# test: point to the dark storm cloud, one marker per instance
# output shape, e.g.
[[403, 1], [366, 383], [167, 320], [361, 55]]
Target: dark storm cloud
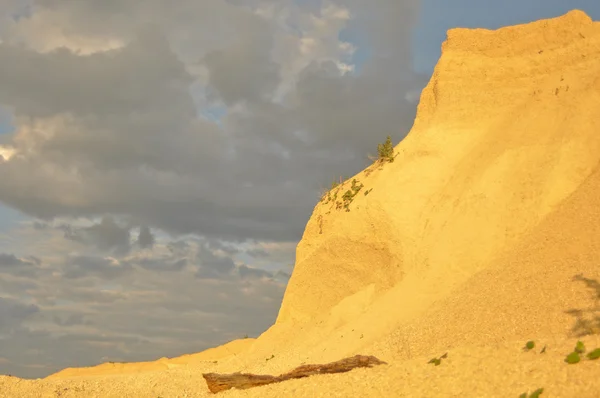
[[70, 320], [248, 272], [85, 266], [218, 245], [145, 238], [214, 267], [257, 253], [9, 260], [179, 247], [134, 140], [24, 267], [160, 264], [13, 312], [119, 83], [230, 69], [107, 235]]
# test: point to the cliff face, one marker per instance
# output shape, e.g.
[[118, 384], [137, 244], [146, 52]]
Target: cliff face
[[507, 128]]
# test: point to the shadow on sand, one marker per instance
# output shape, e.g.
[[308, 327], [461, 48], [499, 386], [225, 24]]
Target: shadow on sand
[[587, 320]]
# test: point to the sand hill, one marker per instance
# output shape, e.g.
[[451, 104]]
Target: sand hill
[[481, 235]]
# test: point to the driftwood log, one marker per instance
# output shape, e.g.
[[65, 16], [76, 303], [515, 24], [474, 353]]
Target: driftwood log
[[221, 382]]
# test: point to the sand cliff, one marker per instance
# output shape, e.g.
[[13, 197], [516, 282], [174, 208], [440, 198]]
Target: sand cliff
[[481, 235]]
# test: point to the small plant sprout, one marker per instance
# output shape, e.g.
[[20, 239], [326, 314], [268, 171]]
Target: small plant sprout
[[386, 150], [534, 394], [349, 195], [573, 358], [529, 345], [580, 347], [437, 361], [595, 354]]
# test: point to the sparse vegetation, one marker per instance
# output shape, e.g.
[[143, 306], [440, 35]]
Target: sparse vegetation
[[385, 153], [530, 345], [572, 358], [347, 197], [575, 356], [328, 195]]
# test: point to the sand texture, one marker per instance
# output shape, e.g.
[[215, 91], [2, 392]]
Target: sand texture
[[484, 233]]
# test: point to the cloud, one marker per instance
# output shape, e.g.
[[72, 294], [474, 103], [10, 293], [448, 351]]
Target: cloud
[[144, 75], [212, 266], [229, 69], [74, 305], [117, 132], [106, 236], [169, 156], [145, 238], [158, 264], [70, 320], [84, 266], [9, 260], [257, 252], [23, 267], [249, 272], [12, 313]]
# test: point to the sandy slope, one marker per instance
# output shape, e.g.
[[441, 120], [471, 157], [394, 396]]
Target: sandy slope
[[215, 354], [469, 243]]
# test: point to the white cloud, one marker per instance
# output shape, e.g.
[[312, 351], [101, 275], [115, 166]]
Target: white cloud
[[45, 31], [6, 152]]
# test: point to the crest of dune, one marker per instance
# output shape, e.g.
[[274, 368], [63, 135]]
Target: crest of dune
[[483, 232]]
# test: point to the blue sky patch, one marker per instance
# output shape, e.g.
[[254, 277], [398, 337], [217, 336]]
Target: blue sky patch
[[6, 121], [358, 40]]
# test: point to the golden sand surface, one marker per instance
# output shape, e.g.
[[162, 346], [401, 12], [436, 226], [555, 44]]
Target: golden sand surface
[[483, 234]]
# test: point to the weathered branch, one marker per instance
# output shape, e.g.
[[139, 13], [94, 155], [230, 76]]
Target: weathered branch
[[221, 382]]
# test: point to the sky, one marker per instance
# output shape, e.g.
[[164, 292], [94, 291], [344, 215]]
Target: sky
[[159, 160]]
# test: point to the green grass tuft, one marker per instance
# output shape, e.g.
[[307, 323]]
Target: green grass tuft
[[595, 354], [534, 394], [529, 345], [386, 150], [573, 358]]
